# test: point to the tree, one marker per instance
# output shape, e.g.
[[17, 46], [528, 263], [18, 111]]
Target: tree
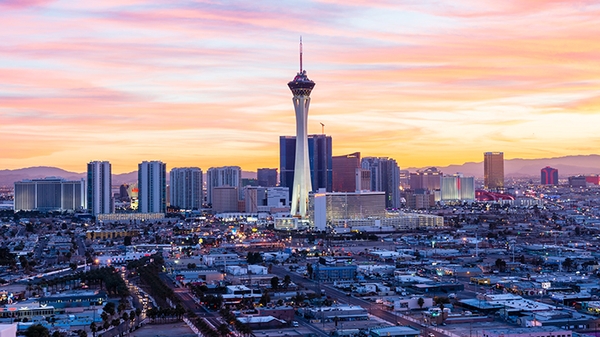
[[568, 264], [93, 329], [264, 299], [109, 308], [254, 258], [500, 264], [275, 282], [223, 330], [37, 330], [127, 241], [421, 302], [286, 281], [309, 270]]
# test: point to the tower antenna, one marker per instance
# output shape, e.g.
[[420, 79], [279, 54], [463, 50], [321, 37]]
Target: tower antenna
[[300, 53], [322, 128]]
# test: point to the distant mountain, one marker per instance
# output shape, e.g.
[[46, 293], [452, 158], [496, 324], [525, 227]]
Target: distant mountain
[[8, 177], [567, 166], [125, 178]]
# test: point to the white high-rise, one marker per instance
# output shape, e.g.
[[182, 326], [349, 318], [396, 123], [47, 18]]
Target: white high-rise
[[99, 188], [152, 187], [223, 176], [185, 188], [301, 87], [49, 194]]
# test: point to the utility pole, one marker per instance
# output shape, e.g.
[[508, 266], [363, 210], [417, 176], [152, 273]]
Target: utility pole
[[476, 244]]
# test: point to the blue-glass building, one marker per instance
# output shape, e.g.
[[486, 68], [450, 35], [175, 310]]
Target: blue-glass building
[[320, 157]]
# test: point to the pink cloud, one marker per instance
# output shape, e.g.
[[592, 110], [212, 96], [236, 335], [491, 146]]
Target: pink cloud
[[21, 4]]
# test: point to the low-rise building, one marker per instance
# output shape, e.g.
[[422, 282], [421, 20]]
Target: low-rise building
[[395, 331]]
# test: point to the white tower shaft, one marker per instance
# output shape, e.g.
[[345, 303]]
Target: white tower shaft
[[302, 180]]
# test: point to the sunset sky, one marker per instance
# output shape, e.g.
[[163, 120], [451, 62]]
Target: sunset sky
[[204, 83]]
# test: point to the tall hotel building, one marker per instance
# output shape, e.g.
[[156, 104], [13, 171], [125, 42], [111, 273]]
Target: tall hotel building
[[99, 188], [493, 170], [385, 177], [152, 187], [266, 177], [223, 176], [344, 172], [320, 162], [49, 194], [457, 187], [549, 176], [428, 179], [186, 188]]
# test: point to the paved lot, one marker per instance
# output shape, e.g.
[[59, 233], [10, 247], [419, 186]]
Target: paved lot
[[164, 330]]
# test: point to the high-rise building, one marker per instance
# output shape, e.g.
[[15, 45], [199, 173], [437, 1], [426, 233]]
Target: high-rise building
[[420, 199], [265, 199], [123, 192], [152, 187], [225, 199], [344, 172], [467, 188], [457, 187], [385, 177], [427, 179], [549, 176], [223, 176], [349, 205], [493, 170], [320, 161], [301, 87], [362, 179], [49, 194], [577, 181], [185, 188], [404, 179], [99, 188], [267, 177]]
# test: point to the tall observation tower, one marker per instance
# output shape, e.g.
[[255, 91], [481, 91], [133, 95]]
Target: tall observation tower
[[301, 87]]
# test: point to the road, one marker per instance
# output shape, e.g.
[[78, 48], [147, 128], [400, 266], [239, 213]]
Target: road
[[189, 302], [374, 309], [81, 246]]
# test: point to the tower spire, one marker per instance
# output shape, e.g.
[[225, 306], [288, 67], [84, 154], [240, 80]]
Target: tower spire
[[300, 53]]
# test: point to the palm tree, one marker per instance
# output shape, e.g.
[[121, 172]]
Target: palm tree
[[223, 330], [93, 329], [125, 318]]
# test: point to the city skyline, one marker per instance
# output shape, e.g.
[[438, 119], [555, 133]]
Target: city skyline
[[427, 85]]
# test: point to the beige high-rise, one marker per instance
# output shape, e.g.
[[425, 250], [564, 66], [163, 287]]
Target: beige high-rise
[[493, 170]]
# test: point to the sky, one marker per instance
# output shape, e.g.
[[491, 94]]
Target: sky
[[204, 83]]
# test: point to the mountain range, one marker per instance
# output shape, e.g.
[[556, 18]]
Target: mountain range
[[8, 177], [530, 168], [513, 168]]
